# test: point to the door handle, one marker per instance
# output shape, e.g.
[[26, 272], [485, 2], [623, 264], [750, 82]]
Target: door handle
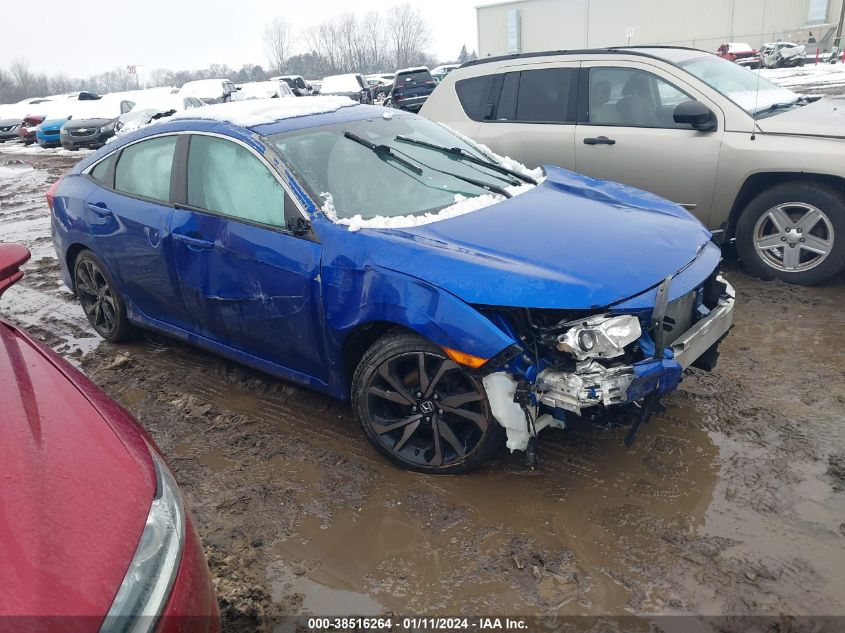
[[599, 140], [194, 242], [100, 209]]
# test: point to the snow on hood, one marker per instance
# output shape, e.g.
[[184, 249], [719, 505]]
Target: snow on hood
[[340, 83], [261, 111], [462, 205]]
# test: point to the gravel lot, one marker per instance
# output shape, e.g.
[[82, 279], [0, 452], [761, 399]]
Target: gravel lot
[[730, 503]]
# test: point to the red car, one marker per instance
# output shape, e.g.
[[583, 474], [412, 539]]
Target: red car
[[94, 535], [27, 129], [740, 53]]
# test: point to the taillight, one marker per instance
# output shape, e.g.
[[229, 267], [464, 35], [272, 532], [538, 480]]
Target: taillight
[[51, 192], [430, 83]]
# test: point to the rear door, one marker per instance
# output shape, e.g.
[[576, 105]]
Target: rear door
[[252, 285], [530, 114], [626, 133], [129, 218]]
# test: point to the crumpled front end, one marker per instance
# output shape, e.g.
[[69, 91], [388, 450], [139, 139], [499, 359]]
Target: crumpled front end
[[611, 366]]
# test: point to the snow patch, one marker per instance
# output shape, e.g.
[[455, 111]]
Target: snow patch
[[260, 111], [328, 206], [462, 205]]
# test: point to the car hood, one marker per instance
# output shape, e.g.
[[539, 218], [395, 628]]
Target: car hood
[[570, 243], [76, 489], [825, 117], [78, 123]]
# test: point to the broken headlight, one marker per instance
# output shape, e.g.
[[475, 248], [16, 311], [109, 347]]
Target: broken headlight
[[600, 336]]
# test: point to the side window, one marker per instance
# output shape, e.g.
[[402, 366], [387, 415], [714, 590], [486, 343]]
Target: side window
[[473, 93], [144, 168], [544, 96], [226, 178], [102, 173], [633, 98]]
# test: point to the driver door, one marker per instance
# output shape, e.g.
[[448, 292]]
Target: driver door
[[626, 133]]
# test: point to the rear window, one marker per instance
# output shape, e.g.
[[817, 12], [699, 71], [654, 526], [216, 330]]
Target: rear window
[[416, 77], [474, 95], [102, 173], [144, 168], [543, 96]]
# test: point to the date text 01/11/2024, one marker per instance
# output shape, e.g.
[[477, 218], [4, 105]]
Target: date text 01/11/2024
[[416, 624]]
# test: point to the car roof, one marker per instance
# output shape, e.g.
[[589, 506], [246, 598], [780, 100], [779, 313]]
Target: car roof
[[214, 119], [671, 54]]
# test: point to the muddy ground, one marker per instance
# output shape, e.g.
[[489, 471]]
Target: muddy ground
[[732, 502]]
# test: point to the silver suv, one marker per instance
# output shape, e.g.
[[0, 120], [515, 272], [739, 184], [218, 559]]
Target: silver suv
[[751, 160]]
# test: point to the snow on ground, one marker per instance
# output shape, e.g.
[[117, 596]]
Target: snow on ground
[[821, 79], [19, 149]]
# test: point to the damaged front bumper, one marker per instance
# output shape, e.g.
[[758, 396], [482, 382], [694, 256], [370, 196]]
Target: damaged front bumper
[[592, 383]]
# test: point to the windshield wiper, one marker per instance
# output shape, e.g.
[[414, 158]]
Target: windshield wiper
[[776, 106], [457, 151], [383, 150]]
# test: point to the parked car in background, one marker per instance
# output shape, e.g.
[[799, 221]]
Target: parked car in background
[[352, 85], [263, 90], [12, 117], [426, 307], [151, 107], [411, 88], [740, 53], [315, 84], [91, 133], [379, 87], [91, 493], [47, 132], [297, 84], [439, 72], [28, 126], [782, 55], [209, 90], [753, 161]]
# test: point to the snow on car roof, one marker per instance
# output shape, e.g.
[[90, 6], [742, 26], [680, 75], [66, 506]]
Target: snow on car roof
[[416, 69], [262, 111]]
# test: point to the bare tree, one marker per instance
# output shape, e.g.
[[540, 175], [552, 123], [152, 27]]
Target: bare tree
[[408, 34], [277, 43]]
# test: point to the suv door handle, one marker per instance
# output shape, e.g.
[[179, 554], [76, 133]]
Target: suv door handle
[[599, 140], [100, 209], [194, 242]]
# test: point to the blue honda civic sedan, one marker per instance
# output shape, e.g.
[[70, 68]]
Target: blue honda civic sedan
[[459, 300]]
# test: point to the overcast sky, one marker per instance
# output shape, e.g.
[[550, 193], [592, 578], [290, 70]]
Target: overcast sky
[[90, 36]]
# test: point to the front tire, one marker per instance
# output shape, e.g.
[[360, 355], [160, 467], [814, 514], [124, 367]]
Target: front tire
[[794, 232], [100, 299], [420, 409]]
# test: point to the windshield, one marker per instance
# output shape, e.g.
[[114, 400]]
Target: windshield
[[360, 181], [744, 87]]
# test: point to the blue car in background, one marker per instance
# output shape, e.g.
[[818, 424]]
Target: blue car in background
[[47, 132], [472, 300]]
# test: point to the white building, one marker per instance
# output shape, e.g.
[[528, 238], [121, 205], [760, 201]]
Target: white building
[[536, 25]]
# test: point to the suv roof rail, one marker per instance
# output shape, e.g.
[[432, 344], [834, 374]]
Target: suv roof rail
[[631, 50]]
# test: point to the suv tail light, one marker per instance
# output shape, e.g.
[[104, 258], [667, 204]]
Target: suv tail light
[[51, 192]]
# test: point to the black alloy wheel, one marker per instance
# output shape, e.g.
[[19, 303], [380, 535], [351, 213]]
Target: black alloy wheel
[[421, 409], [99, 299]]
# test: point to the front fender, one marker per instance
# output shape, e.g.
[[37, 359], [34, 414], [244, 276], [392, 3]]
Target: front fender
[[358, 296]]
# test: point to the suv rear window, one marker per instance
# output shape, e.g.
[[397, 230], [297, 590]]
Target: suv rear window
[[474, 93], [416, 77], [530, 96]]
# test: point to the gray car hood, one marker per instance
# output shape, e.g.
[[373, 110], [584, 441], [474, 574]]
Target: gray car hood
[[825, 117]]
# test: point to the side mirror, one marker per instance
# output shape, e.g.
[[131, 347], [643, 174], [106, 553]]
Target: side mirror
[[696, 115]]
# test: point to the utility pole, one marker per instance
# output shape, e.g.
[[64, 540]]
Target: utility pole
[[837, 41]]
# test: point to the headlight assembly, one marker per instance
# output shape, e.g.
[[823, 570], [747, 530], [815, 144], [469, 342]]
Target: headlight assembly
[[108, 127], [149, 579], [600, 336]]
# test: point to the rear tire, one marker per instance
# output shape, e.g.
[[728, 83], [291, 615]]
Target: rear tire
[[100, 298], [794, 232], [420, 409]]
